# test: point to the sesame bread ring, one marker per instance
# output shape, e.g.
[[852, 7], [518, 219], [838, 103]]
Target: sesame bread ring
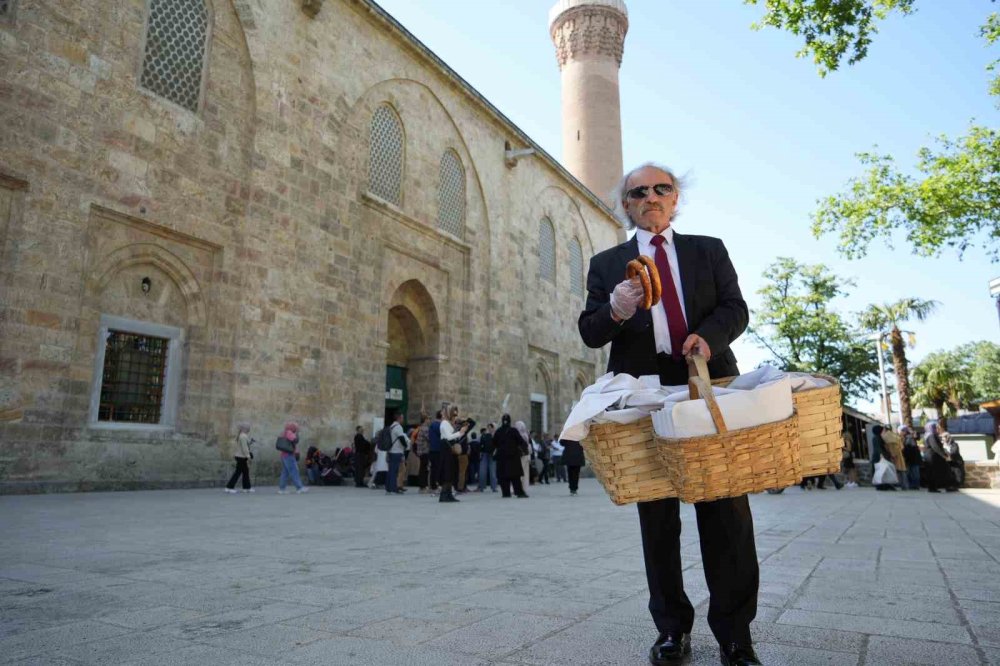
[[635, 269], [654, 278]]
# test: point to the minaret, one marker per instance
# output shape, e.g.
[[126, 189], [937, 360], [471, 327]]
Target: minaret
[[589, 36]]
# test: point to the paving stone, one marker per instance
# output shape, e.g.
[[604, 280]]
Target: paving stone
[[119, 649], [883, 650], [368, 652], [71, 635], [877, 626], [500, 634], [270, 640]]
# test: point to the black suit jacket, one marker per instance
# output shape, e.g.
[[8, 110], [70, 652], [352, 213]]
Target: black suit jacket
[[712, 300]]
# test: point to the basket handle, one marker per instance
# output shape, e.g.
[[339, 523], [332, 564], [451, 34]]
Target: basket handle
[[700, 386]]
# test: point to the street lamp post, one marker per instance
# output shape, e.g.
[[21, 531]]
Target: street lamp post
[[877, 337]]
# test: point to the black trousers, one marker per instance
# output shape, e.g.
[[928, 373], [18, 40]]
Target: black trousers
[[435, 461], [728, 555], [422, 472], [574, 477], [242, 469], [361, 464], [448, 468], [543, 476], [505, 485]]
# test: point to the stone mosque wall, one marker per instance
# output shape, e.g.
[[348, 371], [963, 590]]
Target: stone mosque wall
[[244, 211]]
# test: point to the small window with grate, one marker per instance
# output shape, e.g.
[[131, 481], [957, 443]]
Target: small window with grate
[[547, 251], [385, 158], [7, 9], [451, 195], [134, 377], [174, 60], [575, 267]]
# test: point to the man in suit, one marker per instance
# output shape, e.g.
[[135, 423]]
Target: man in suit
[[701, 310]]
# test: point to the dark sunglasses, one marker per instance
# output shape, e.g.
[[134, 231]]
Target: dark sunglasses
[[641, 192]]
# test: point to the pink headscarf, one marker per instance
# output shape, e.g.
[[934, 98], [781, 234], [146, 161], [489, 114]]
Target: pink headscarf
[[291, 431]]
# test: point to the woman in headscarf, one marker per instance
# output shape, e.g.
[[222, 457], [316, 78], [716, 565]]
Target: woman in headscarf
[[242, 456], [508, 447], [938, 470], [880, 451], [522, 429], [288, 445]]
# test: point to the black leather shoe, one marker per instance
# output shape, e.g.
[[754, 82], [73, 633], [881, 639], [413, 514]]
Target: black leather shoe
[[670, 649], [447, 497], [738, 655]]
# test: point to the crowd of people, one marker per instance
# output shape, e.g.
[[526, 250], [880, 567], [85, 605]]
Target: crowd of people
[[445, 456], [901, 460]]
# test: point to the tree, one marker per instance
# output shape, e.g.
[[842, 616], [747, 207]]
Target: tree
[[796, 324], [886, 318], [942, 380], [833, 29], [982, 363], [952, 202]]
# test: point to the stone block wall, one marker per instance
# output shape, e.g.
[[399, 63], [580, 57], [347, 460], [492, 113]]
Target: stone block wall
[[252, 220]]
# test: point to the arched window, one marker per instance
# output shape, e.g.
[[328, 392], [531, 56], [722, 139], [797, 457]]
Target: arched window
[[385, 157], [547, 251], [451, 195], [173, 64], [575, 267]]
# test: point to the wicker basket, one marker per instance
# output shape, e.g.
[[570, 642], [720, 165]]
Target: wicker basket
[[625, 461], [732, 462], [820, 426]]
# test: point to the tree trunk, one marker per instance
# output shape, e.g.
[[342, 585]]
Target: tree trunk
[[902, 375]]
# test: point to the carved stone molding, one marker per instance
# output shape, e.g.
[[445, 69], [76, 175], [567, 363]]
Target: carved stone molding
[[589, 30], [312, 7]]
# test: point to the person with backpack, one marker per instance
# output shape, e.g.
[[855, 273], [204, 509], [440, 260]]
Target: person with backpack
[[394, 442], [288, 445]]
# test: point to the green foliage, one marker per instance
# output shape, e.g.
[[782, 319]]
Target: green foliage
[[955, 202], [941, 381], [832, 29], [990, 31], [796, 324], [983, 362], [881, 318], [961, 378], [951, 202]]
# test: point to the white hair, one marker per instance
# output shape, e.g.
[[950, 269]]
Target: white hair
[[618, 194]]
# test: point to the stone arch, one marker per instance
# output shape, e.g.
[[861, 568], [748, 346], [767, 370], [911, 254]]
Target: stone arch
[[542, 391], [169, 264], [412, 330], [400, 95]]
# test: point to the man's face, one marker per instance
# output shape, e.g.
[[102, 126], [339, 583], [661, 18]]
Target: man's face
[[652, 212]]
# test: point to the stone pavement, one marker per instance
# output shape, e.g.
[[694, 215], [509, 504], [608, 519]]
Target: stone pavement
[[351, 576]]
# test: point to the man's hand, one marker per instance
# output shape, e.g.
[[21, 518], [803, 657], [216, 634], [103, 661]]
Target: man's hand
[[626, 298], [695, 344]]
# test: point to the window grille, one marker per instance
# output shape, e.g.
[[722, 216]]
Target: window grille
[[176, 37], [385, 164], [547, 251], [451, 195], [133, 378], [575, 267], [6, 7]]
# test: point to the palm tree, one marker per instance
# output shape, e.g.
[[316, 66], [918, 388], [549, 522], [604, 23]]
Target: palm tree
[[888, 316], [942, 381]]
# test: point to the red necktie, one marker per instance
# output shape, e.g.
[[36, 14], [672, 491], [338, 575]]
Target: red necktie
[[671, 304]]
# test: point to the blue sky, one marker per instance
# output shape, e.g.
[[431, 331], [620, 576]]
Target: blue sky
[[761, 135]]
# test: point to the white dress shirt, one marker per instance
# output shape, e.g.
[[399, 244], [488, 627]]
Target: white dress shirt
[[661, 333]]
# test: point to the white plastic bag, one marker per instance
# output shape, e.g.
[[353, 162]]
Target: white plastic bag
[[885, 473]]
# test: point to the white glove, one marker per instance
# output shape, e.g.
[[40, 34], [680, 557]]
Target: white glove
[[626, 298]]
